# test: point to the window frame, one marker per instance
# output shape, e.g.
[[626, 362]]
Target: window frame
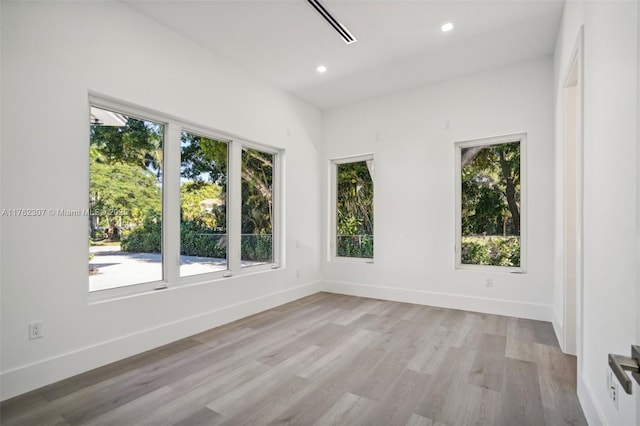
[[333, 206], [171, 200], [210, 134], [520, 138], [276, 183], [142, 114]]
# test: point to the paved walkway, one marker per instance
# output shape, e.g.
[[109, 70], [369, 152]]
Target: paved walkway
[[118, 269]]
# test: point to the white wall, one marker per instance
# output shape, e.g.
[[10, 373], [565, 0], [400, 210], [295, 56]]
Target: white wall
[[52, 55], [412, 136], [610, 181]]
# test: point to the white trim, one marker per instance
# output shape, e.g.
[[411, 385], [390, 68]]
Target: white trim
[[276, 207], [333, 221], [504, 307], [234, 208], [592, 411], [204, 132], [494, 140], [141, 113], [353, 158], [35, 375], [576, 346], [557, 328], [171, 209]]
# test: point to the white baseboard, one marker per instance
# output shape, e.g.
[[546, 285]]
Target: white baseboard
[[591, 410], [558, 329], [32, 376], [444, 300]]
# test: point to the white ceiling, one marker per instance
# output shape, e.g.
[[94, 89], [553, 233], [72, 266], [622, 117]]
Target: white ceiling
[[400, 44]]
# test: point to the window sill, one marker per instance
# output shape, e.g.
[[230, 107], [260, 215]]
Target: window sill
[[352, 260], [126, 292], [491, 268]]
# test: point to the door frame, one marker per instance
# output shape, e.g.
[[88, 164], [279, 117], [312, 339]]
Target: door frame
[[573, 78]]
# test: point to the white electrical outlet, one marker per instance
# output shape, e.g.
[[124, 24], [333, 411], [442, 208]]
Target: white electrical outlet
[[298, 273], [612, 386], [489, 282], [35, 330]]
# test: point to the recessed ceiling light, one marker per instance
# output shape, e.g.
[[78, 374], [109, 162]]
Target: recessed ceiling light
[[446, 27], [321, 69]]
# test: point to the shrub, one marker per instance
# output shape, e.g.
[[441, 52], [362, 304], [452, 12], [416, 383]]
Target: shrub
[[257, 247], [355, 246], [196, 239], [495, 251]]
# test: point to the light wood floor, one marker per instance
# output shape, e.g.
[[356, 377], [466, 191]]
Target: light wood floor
[[329, 359]]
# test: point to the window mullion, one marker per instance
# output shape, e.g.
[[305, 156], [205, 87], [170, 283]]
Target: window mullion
[[234, 206], [171, 205]]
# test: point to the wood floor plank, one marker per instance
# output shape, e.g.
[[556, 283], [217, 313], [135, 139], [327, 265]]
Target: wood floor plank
[[387, 370], [328, 359], [187, 400], [396, 406], [521, 401], [417, 420], [71, 385], [271, 404], [488, 364], [202, 417], [348, 316], [432, 351], [350, 409], [443, 398]]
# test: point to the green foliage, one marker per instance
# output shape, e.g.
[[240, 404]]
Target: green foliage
[[192, 193], [204, 167], [257, 192], [257, 247], [197, 239], [126, 182], [495, 251], [354, 204], [491, 205], [125, 165], [145, 238], [98, 235], [138, 143], [355, 246], [204, 159]]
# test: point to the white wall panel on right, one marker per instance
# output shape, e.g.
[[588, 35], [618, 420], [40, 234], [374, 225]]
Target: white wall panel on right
[[610, 170]]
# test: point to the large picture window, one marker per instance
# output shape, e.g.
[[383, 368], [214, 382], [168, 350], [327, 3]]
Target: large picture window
[[353, 208], [203, 204], [125, 200], [171, 202], [490, 189]]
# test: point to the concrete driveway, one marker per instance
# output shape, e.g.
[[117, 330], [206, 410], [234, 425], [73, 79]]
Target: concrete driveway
[[116, 268]]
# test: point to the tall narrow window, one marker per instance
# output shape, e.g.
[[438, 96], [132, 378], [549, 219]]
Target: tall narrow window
[[257, 243], [490, 203], [203, 205], [353, 209], [125, 200]]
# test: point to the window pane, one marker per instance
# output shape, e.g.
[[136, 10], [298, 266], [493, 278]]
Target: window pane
[[125, 200], [354, 209], [257, 208], [490, 209], [203, 205]]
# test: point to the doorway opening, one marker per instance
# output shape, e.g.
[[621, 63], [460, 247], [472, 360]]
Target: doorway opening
[[572, 208]]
